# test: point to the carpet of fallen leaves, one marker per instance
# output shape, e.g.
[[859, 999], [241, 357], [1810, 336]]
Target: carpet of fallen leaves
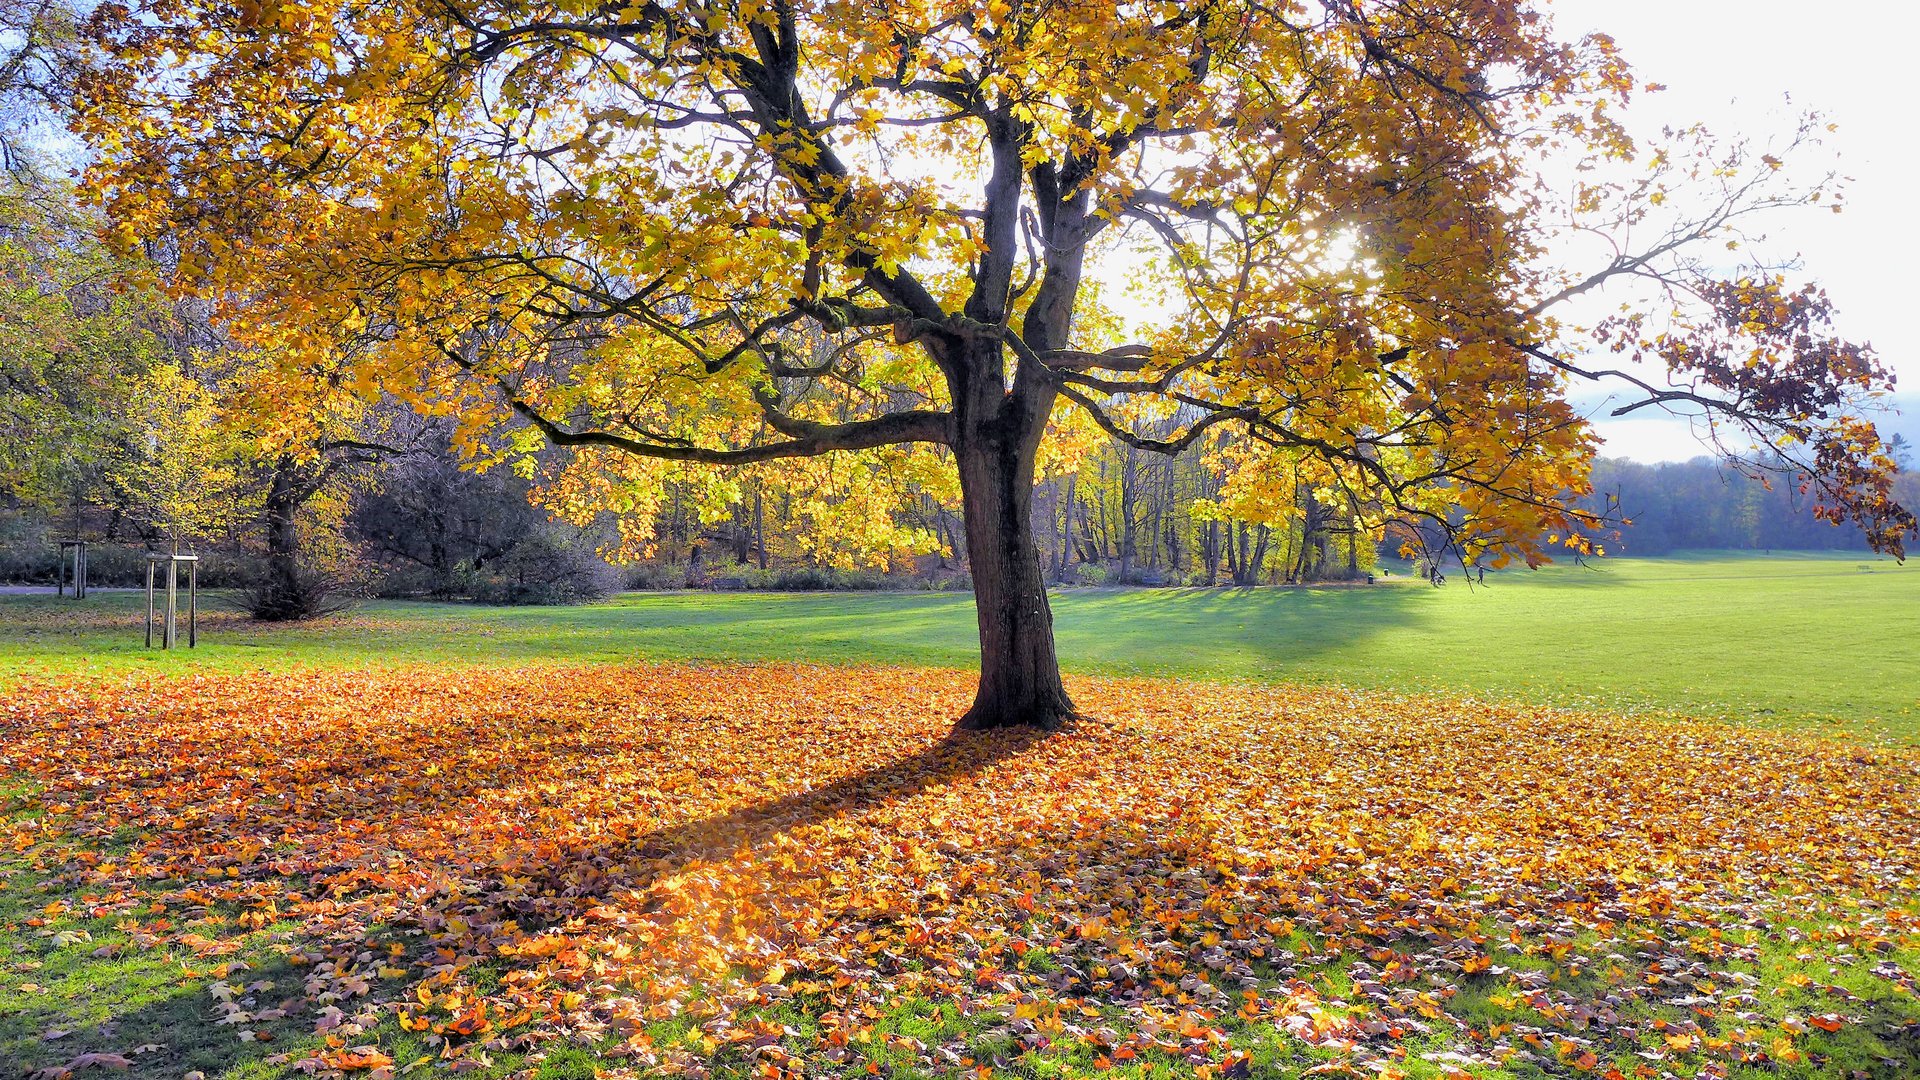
[[704, 870]]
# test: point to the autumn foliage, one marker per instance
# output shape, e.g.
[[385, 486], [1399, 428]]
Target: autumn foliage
[[756, 870]]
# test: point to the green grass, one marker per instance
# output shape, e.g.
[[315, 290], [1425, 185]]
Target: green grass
[[1825, 641]]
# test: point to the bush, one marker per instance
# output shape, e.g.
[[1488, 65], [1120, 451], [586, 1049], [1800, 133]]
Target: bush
[[27, 551], [800, 579], [1090, 574], [30, 555], [411, 583], [746, 578], [537, 571], [650, 577], [513, 582], [542, 570], [310, 594], [961, 581]]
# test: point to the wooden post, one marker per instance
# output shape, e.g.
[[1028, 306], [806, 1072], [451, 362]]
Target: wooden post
[[72, 569], [173, 605], [149, 603], [193, 604]]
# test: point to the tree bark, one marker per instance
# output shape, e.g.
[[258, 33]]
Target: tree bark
[[1020, 681], [1129, 497], [1066, 528], [284, 497], [760, 525]]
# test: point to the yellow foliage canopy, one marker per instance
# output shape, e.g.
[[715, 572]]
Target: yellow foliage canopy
[[726, 234]]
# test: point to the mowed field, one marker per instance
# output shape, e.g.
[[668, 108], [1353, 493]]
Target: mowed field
[[1395, 833], [1819, 641]]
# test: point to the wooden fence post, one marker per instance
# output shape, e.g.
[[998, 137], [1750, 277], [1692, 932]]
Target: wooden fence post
[[173, 603]]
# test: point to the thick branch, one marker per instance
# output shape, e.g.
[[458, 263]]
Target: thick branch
[[915, 426]]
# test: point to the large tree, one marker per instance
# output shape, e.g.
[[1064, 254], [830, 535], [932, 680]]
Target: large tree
[[1321, 224]]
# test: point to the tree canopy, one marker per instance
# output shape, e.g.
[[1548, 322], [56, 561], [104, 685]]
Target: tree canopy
[[939, 237]]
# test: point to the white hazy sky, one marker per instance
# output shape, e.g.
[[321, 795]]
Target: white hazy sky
[[1734, 64]]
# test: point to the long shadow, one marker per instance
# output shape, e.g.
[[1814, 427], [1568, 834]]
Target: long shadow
[[366, 785], [559, 888], [1158, 873], [1250, 629], [172, 1032], [369, 785], [665, 851]]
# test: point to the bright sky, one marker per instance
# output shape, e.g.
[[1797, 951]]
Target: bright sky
[[1734, 64]]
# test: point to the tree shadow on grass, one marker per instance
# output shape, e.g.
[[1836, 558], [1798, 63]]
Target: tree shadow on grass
[[137, 1005], [663, 852], [145, 998]]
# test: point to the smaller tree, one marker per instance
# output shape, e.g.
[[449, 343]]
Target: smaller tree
[[77, 346], [439, 528], [40, 49], [179, 473]]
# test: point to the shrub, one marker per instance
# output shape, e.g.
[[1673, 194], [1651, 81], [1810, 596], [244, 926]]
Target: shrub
[[1090, 574], [542, 570], [411, 583], [309, 594], [747, 578], [32, 558], [648, 577]]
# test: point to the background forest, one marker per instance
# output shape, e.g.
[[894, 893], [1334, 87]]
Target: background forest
[[113, 431]]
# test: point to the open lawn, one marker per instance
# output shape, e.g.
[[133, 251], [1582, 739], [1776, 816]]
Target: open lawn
[[433, 842], [1824, 641]]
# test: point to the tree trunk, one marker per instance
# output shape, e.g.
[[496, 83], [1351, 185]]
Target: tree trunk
[[284, 496], [1066, 528], [953, 539], [1019, 672], [999, 419], [760, 525]]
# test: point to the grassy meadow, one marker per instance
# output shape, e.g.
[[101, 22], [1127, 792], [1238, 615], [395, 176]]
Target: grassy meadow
[[1823, 641], [1349, 832]]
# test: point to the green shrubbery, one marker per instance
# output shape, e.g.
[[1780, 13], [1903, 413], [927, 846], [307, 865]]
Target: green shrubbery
[[827, 579], [30, 555]]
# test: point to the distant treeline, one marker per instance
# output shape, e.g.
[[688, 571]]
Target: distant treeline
[[1703, 503]]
